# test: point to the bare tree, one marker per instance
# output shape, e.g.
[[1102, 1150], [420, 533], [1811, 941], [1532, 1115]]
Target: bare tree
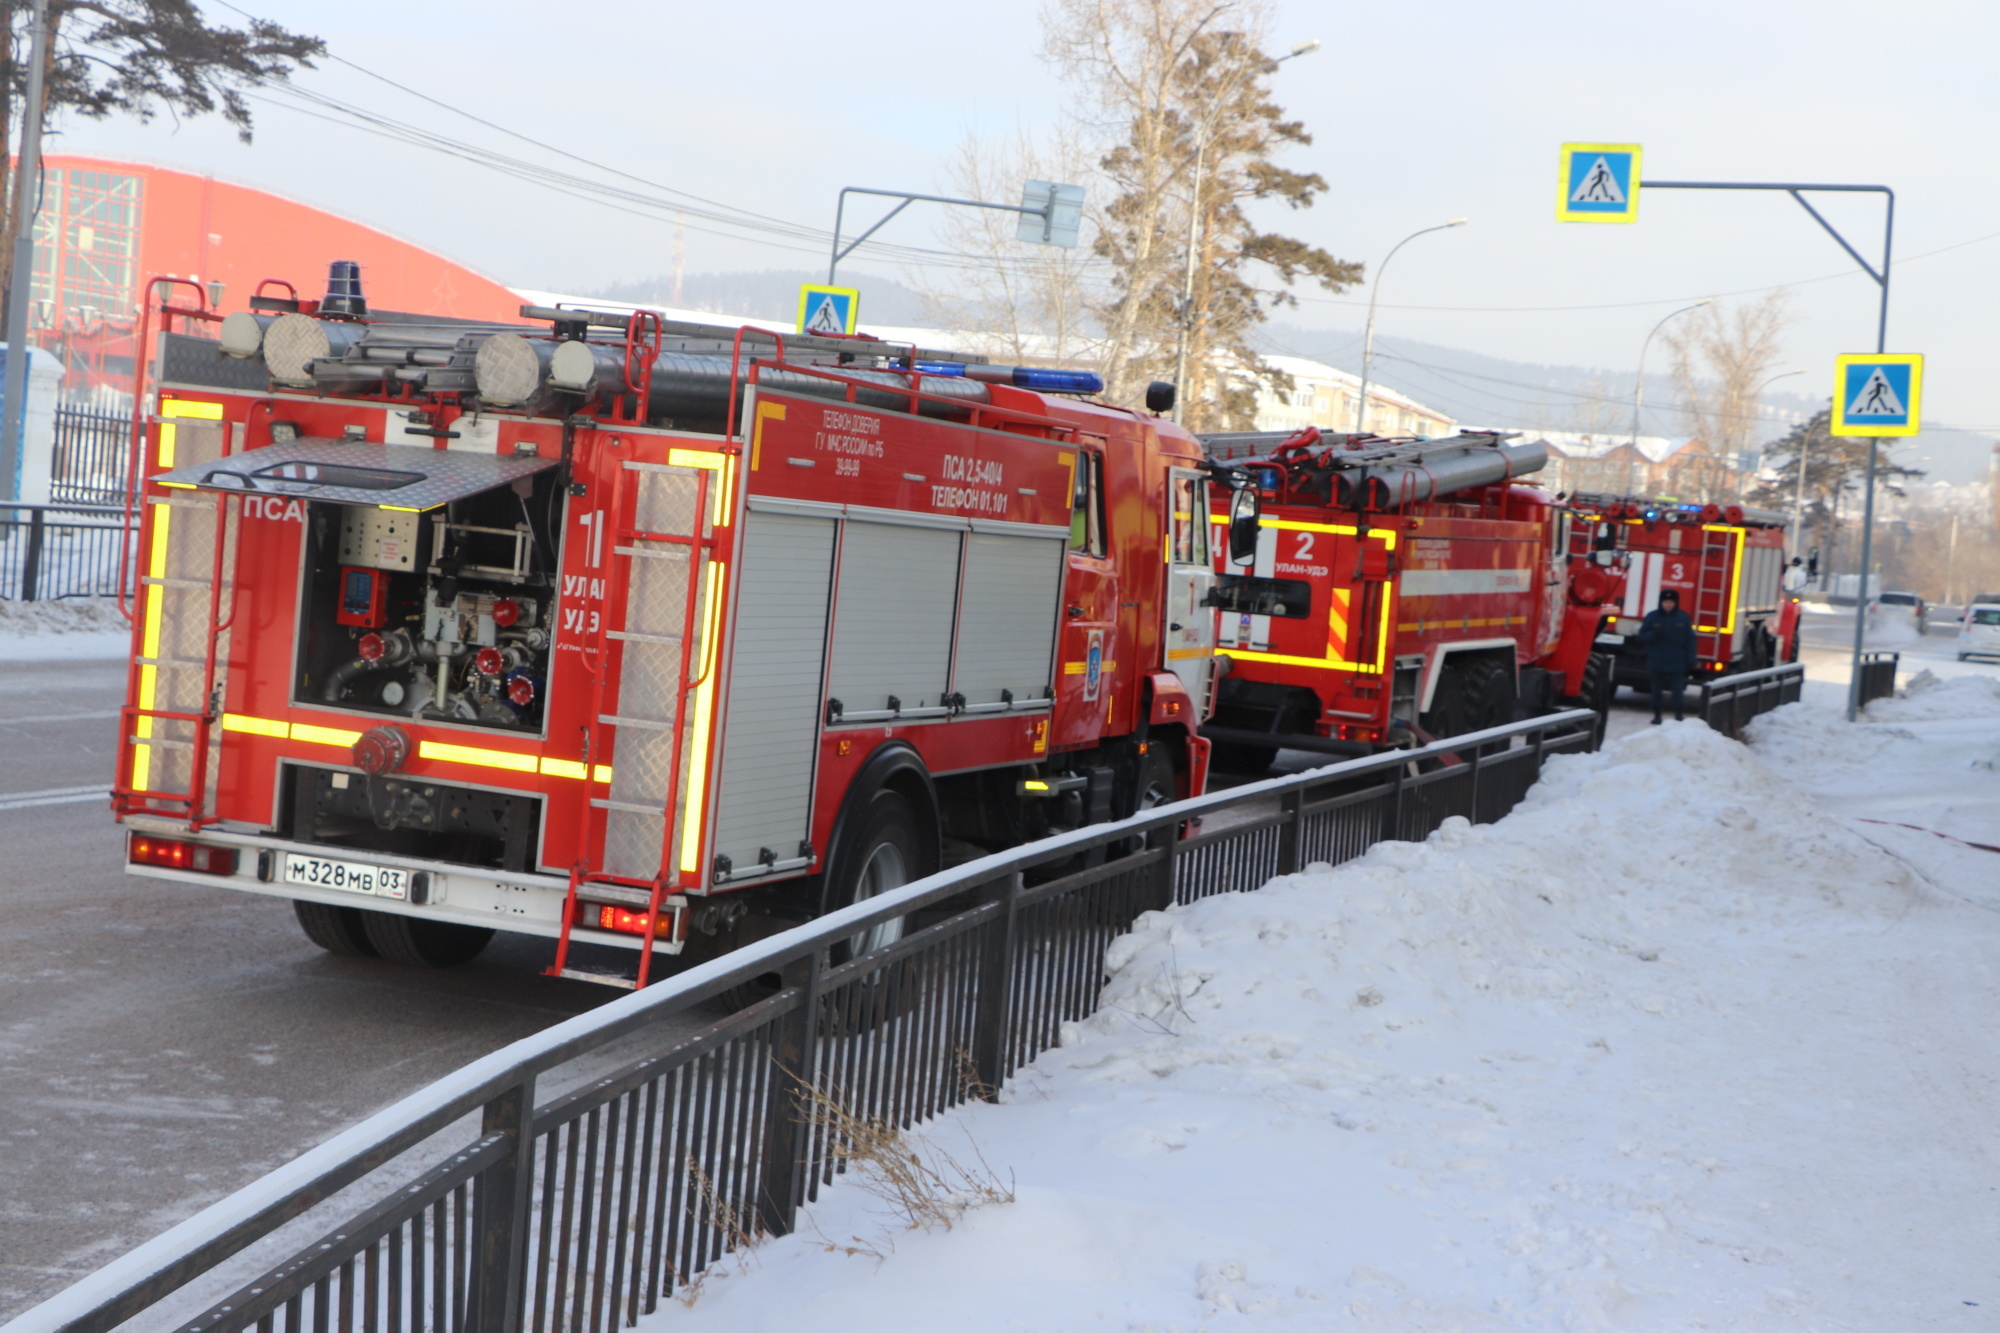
[[1721, 361], [1028, 303]]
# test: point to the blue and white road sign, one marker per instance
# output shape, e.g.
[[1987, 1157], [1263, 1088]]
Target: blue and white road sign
[[828, 309], [1877, 394], [1600, 183]]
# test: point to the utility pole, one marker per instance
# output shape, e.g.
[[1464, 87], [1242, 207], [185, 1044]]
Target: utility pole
[[20, 290]]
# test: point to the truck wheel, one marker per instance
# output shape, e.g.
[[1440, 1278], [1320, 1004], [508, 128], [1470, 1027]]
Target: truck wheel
[[406, 939], [338, 930], [1489, 699], [1599, 683], [887, 850]]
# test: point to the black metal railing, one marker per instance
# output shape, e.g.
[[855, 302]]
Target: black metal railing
[[63, 550], [1878, 677], [1729, 702], [585, 1212], [92, 455]]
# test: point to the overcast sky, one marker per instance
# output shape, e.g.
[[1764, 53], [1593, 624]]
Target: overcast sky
[[1420, 112]]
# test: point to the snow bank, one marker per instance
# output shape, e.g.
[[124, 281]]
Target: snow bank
[[72, 629], [1669, 1048]]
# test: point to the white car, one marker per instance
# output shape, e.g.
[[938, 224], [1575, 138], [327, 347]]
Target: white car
[[1898, 611], [1979, 632]]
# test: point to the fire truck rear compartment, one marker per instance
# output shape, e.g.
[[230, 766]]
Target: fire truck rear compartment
[[411, 817], [440, 616]]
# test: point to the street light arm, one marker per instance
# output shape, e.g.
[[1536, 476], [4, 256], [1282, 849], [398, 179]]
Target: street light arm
[[1368, 339]]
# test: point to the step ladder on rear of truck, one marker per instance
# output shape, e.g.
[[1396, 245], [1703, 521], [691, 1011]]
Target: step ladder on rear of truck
[[658, 671]]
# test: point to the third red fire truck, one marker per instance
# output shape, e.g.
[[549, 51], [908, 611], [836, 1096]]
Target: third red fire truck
[[1727, 562], [1402, 590], [606, 629]]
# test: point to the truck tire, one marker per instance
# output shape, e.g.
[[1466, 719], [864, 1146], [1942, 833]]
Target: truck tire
[[1599, 683], [1489, 699], [408, 939], [887, 850], [338, 930]]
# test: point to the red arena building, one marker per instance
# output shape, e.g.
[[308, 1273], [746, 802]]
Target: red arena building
[[107, 227]]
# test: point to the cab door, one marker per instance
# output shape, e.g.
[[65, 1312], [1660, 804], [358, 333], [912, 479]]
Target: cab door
[[1089, 644], [1190, 627]]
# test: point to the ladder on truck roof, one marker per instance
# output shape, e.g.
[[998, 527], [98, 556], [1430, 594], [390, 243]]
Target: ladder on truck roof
[[657, 575]]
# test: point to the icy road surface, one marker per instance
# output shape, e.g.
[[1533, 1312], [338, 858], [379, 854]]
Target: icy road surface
[[1681, 1044], [163, 1044]]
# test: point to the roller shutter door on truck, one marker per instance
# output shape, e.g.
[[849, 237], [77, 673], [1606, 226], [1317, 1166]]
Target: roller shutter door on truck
[[765, 799], [1007, 623], [892, 626]]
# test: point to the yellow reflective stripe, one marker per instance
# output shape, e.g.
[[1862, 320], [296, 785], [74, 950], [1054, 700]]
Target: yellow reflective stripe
[[1337, 620], [694, 458], [255, 726], [1073, 668], [149, 647], [1735, 575], [182, 407], [1177, 654], [312, 735], [467, 754], [696, 800], [455, 754], [765, 412], [1387, 538]]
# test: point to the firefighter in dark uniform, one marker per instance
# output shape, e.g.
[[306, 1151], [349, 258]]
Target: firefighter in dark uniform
[[1668, 636]]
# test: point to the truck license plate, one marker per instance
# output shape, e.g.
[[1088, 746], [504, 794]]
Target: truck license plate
[[320, 872]]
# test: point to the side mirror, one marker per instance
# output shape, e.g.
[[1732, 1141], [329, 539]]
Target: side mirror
[[1160, 396], [1244, 510]]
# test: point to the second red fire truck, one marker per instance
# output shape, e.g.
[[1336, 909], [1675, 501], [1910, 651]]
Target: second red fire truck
[[1402, 590], [606, 629]]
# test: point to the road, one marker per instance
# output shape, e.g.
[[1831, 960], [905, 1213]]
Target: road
[[162, 1044]]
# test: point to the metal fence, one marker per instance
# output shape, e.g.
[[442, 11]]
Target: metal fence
[[585, 1212], [93, 449], [1878, 676], [51, 551], [1729, 703]]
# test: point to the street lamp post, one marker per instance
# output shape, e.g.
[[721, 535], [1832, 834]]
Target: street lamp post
[[1639, 388], [1368, 339], [1758, 398], [1194, 217]]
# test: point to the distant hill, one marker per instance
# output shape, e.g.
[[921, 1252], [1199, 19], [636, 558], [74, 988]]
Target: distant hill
[[1477, 389]]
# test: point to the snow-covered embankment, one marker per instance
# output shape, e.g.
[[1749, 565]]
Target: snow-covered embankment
[[1677, 1045]]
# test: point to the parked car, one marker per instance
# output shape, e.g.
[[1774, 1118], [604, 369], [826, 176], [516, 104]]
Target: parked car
[[1979, 632], [1898, 608]]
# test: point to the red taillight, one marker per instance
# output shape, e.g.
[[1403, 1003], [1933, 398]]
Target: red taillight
[[182, 856], [627, 922]]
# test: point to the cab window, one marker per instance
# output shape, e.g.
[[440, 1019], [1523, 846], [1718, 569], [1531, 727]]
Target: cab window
[[1190, 521], [1086, 515]]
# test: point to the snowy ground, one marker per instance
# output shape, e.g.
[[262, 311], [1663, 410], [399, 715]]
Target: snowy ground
[[72, 629], [1684, 1043]]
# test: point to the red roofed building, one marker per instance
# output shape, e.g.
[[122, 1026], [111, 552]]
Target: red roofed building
[[106, 228]]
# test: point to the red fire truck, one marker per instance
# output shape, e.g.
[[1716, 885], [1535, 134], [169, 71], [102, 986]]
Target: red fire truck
[[1401, 590], [1726, 562], [609, 629]]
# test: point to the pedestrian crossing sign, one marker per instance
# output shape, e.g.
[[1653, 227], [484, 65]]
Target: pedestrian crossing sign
[[1600, 183], [1877, 394], [828, 309]]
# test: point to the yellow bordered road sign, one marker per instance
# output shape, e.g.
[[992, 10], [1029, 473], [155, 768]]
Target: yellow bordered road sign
[[1599, 183], [1877, 393], [828, 309]]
